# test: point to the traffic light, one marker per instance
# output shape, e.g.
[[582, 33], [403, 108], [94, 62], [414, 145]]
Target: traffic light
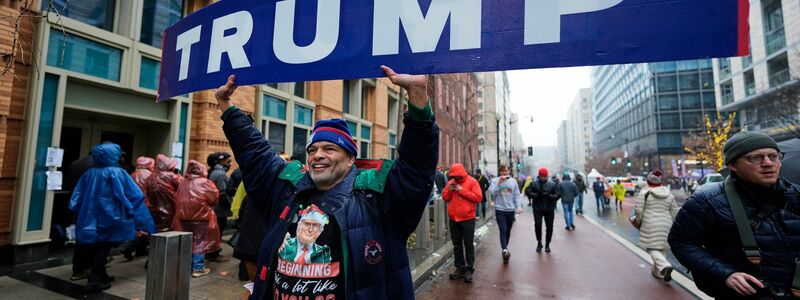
[[613, 161], [530, 151], [519, 166], [629, 164]]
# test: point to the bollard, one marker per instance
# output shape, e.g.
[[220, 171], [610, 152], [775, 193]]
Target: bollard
[[169, 266], [423, 233]]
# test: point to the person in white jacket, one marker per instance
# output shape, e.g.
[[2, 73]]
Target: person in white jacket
[[656, 208]]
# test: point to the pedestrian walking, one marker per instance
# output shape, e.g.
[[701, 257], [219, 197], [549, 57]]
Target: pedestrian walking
[[656, 208], [507, 200], [569, 191], [194, 212], [220, 163], [461, 194], [544, 193], [579, 197], [440, 179], [484, 183], [599, 189], [619, 194], [144, 168], [371, 214], [525, 186], [160, 188], [110, 209], [739, 238]]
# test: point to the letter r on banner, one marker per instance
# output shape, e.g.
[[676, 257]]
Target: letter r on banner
[[424, 32], [233, 44], [543, 18]]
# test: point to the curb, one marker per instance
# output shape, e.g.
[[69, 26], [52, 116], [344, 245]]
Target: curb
[[680, 279]]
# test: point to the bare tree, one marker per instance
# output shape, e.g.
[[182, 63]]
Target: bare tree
[[22, 45], [465, 129], [784, 109]]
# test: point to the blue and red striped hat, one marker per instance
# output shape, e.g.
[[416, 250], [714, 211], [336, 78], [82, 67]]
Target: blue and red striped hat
[[334, 131]]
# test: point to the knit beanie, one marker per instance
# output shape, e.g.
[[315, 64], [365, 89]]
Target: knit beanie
[[744, 142], [654, 178], [334, 131], [543, 172]]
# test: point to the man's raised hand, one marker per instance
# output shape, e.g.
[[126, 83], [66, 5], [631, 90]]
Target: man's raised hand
[[224, 92], [416, 85]]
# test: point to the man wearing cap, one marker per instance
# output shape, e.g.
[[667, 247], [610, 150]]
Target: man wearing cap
[[706, 239], [220, 163], [372, 210], [544, 194]]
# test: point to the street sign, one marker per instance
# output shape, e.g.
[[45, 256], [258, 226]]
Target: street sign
[[268, 41]]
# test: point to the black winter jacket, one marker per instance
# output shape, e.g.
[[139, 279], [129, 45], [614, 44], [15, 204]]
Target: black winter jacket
[[705, 239], [544, 195]]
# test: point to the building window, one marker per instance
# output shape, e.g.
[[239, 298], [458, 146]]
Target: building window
[[346, 96], [83, 56], [148, 73], [43, 141], [778, 69], [667, 83], [299, 137], [669, 121], [276, 134], [692, 120], [690, 100], [97, 13], [709, 100], [724, 67], [157, 15], [365, 140], [668, 140], [667, 102], [303, 115], [689, 82], [274, 107], [726, 91], [687, 65], [749, 83], [665, 67], [707, 80], [300, 89], [392, 146], [366, 92], [774, 36]]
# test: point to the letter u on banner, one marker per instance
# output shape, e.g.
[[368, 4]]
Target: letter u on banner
[[325, 40]]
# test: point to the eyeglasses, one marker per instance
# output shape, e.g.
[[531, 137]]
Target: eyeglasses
[[311, 226], [759, 158]]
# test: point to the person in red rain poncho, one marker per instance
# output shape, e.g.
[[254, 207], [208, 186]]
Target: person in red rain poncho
[[144, 168], [194, 212], [160, 190], [462, 192]]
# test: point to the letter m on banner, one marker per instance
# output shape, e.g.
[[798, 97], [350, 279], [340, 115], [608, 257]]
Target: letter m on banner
[[269, 41]]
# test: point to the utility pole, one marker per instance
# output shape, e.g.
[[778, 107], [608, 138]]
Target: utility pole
[[497, 132]]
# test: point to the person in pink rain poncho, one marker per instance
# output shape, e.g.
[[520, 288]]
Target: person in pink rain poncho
[[194, 212], [160, 190]]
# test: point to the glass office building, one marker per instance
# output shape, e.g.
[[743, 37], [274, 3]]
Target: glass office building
[[645, 109]]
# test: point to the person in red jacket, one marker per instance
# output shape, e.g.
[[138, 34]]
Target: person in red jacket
[[462, 192]]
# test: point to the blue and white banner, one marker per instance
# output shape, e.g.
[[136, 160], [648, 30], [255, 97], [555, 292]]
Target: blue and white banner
[[268, 41]]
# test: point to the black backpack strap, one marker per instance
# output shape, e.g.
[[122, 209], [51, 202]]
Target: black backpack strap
[[749, 245]]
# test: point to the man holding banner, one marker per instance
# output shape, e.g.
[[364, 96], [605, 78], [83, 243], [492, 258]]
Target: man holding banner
[[369, 211]]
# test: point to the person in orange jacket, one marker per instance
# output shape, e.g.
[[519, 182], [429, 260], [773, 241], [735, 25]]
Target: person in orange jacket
[[462, 192]]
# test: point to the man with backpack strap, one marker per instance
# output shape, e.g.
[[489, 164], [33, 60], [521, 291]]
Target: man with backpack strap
[[741, 238], [362, 216]]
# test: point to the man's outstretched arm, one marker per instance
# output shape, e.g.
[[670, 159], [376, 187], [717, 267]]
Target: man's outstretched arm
[[411, 180], [257, 159]]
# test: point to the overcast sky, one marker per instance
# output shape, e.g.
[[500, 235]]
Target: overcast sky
[[544, 94]]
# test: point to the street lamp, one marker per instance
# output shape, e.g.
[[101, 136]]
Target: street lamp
[[509, 140]]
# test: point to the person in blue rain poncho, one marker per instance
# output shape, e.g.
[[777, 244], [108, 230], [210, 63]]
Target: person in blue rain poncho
[[110, 208]]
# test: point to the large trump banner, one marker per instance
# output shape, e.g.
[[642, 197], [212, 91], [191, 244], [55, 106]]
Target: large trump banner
[[268, 41]]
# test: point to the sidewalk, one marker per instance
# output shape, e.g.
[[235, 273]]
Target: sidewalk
[[53, 283], [585, 264]]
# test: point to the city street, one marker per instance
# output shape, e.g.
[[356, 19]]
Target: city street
[[585, 264]]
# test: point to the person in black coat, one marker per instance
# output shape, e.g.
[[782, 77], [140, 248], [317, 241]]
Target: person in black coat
[[484, 184], [705, 237], [544, 194]]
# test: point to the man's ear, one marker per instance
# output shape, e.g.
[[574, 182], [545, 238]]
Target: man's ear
[[352, 159], [732, 166]]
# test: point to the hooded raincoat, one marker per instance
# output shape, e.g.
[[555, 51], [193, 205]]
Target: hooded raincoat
[[462, 202], [144, 168], [109, 205], [160, 189], [194, 209]]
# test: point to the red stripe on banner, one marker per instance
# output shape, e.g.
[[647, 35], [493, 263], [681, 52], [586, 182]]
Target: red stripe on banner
[[334, 130], [744, 28]]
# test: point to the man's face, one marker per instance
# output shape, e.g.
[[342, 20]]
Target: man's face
[[225, 163], [764, 173], [543, 177], [308, 230], [504, 172], [328, 164]]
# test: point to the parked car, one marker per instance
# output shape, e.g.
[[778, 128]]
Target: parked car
[[630, 186], [639, 180], [709, 178]]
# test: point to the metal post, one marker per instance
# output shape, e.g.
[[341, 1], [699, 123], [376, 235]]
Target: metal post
[[423, 231], [170, 266]]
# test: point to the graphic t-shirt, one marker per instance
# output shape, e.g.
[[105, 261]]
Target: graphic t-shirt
[[309, 263]]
